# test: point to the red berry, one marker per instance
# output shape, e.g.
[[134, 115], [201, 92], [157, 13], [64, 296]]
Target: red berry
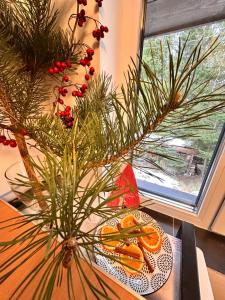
[[68, 108], [106, 29], [6, 142], [63, 65], [51, 71], [58, 64], [87, 61], [83, 88], [90, 51], [60, 101], [12, 143], [79, 94], [94, 33], [92, 69], [56, 70], [80, 23], [83, 62], [87, 77], [82, 12], [2, 138], [70, 124], [66, 78], [74, 93]]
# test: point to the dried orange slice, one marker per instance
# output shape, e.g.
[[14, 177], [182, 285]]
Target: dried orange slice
[[137, 264], [108, 232], [128, 221], [151, 242]]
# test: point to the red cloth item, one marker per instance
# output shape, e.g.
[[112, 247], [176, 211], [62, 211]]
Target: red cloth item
[[128, 188]]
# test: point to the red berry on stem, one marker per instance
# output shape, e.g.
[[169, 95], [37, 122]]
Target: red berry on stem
[[87, 77], [6, 142], [66, 78], [12, 143], [82, 12], [2, 138], [80, 23], [83, 88], [51, 71], [56, 70], [60, 101], [63, 65], [58, 64]]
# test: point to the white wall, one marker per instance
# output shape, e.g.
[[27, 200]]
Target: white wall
[[124, 19]]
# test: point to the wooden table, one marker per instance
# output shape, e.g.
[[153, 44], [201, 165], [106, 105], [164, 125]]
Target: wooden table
[[7, 287]]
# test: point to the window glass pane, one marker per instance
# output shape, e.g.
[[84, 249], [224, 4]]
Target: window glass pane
[[185, 178]]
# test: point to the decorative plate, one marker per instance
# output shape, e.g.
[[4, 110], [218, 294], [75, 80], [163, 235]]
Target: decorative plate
[[144, 282]]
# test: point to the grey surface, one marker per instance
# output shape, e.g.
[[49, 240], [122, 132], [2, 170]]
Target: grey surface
[[170, 15]]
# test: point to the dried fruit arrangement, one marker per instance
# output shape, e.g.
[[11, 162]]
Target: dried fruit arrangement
[[132, 255]]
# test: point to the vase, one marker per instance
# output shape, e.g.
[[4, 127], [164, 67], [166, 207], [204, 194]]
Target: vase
[[22, 193]]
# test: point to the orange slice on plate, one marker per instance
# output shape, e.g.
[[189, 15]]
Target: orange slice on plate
[[108, 232], [137, 264], [128, 221], [151, 242]]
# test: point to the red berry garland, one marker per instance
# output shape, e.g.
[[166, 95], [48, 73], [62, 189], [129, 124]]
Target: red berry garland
[[59, 67]]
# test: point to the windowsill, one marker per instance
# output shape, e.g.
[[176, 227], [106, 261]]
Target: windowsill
[[169, 194]]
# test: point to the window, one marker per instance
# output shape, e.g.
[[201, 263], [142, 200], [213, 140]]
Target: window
[[186, 179]]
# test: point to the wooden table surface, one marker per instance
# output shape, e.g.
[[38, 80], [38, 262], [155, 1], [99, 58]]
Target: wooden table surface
[[60, 293]]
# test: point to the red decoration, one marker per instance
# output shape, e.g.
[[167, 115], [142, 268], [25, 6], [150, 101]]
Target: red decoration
[[127, 186]]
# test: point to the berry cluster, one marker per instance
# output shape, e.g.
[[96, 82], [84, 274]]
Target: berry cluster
[[81, 18], [11, 142], [59, 66], [80, 93], [86, 61], [99, 33], [62, 91], [99, 2], [66, 116], [84, 2]]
